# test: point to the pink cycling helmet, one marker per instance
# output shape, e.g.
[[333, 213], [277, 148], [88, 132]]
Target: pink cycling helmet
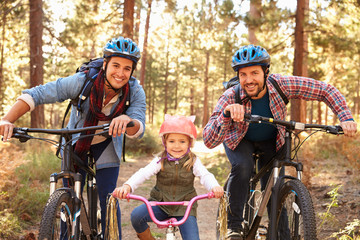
[[178, 124]]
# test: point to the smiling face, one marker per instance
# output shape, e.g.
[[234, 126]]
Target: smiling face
[[118, 71], [252, 81], [177, 144]]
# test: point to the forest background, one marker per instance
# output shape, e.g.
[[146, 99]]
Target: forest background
[[186, 49]]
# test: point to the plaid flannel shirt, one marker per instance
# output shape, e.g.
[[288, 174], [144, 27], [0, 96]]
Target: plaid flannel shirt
[[222, 129]]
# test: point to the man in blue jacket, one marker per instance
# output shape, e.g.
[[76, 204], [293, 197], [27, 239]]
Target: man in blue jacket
[[106, 104]]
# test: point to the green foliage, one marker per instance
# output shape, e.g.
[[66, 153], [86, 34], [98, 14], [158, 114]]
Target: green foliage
[[30, 194], [327, 216], [350, 232], [218, 164], [9, 225]]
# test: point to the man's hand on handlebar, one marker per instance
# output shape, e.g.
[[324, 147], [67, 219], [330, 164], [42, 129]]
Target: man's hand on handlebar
[[118, 125], [236, 112], [6, 129], [349, 128]]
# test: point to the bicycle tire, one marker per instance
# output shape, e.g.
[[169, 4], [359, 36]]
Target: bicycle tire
[[296, 200], [58, 208], [95, 214]]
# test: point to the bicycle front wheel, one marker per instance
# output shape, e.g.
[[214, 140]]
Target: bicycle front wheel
[[56, 222], [295, 212]]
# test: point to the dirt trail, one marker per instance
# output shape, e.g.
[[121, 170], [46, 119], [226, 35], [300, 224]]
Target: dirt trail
[[325, 175]]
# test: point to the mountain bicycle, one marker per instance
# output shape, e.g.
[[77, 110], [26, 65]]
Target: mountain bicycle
[[171, 223], [287, 195], [67, 215]]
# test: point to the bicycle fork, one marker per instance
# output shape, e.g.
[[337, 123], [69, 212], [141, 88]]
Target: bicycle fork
[[77, 189]]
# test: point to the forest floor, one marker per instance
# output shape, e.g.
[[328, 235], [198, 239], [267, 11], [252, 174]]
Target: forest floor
[[326, 175]]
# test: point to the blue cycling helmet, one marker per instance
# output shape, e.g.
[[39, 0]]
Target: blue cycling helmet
[[250, 55], [122, 47]]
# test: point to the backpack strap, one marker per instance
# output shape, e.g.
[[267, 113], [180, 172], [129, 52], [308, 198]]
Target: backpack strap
[[237, 93], [278, 89]]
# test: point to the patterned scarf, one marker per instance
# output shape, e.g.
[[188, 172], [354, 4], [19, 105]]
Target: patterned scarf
[[95, 115]]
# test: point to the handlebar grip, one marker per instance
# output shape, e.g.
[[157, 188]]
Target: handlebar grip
[[130, 124]]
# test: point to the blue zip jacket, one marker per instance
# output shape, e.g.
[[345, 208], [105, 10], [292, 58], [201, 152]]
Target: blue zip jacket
[[69, 88]]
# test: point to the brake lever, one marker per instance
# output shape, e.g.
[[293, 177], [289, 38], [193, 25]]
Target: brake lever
[[335, 130], [22, 138]]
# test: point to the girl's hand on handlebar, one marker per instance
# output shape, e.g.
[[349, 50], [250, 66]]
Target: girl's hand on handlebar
[[349, 128], [236, 112], [6, 129], [218, 191], [118, 125], [122, 192]]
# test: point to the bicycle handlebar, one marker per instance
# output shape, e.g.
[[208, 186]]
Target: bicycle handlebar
[[22, 132], [293, 125], [172, 222]]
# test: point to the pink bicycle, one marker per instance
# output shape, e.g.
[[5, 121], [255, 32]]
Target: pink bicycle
[[170, 223]]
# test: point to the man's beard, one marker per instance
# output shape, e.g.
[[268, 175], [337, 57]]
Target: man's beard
[[260, 89]]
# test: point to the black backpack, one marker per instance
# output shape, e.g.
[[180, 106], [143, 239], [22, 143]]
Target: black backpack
[[235, 81], [91, 68]]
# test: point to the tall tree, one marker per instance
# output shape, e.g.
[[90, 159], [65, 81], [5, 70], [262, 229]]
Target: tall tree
[[138, 5], [298, 107], [36, 57], [255, 7], [128, 25], [144, 55]]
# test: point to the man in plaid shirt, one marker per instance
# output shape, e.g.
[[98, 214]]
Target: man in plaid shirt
[[259, 97]]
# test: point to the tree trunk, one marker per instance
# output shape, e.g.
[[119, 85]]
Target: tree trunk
[[137, 21], [255, 6], [36, 58], [296, 104], [166, 75], [176, 94], [128, 22], [206, 80], [166, 90], [144, 55], [319, 113], [192, 99], [2, 81]]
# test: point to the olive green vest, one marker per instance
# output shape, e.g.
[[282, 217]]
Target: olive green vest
[[174, 184]]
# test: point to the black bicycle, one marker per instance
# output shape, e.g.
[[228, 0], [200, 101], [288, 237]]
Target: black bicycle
[[68, 214], [290, 199]]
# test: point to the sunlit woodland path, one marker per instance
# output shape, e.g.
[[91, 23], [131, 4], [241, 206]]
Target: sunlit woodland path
[[327, 174]]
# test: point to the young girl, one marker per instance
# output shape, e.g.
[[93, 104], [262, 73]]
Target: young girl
[[175, 169]]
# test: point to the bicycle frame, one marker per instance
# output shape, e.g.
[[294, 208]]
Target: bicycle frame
[[172, 222], [274, 182], [89, 223]]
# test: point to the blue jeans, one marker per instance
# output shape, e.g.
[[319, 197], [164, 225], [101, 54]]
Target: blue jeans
[[140, 217], [242, 165]]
